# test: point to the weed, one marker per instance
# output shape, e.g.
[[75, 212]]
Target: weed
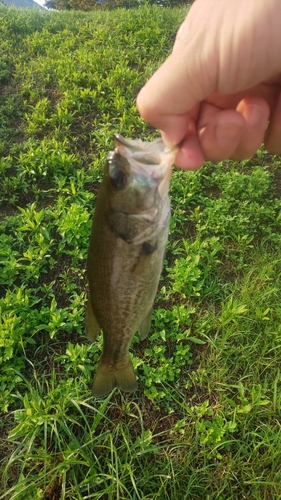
[[205, 422]]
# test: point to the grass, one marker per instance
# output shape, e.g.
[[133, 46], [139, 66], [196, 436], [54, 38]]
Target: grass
[[205, 421]]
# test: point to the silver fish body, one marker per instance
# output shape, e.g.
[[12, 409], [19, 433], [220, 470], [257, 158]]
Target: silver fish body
[[125, 259]]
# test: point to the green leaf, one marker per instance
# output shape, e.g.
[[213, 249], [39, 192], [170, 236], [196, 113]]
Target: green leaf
[[195, 340]]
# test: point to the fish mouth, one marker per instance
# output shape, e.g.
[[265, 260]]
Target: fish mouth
[[137, 144], [142, 154]]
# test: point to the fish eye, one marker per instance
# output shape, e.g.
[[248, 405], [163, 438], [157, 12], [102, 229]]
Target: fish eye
[[119, 179]]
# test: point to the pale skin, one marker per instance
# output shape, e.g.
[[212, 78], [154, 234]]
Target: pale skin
[[218, 94]]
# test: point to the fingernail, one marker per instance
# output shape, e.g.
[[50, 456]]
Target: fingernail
[[225, 134]]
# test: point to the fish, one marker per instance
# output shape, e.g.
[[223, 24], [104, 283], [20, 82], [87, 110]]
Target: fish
[[126, 253]]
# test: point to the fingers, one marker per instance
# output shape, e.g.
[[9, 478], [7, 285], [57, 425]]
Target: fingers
[[222, 134], [256, 113], [216, 140], [273, 134], [235, 134]]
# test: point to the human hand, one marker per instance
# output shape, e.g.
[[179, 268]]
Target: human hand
[[222, 83]]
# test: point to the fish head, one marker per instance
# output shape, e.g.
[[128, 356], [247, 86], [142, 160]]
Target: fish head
[[138, 175]]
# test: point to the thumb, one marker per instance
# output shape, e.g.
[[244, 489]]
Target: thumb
[[170, 99]]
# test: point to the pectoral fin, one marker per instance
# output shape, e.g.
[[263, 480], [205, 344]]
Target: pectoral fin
[[91, 324], [147, 249], [145, 326]]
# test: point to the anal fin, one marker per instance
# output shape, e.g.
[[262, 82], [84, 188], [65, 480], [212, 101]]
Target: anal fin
[[91, 324], [145, 325]]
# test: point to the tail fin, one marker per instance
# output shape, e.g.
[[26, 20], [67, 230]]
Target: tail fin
[[107, 378]]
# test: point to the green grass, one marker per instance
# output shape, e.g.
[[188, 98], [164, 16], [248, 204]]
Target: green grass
[[205, 421]]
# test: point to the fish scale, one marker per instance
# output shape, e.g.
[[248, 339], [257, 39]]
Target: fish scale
[[126, 252]]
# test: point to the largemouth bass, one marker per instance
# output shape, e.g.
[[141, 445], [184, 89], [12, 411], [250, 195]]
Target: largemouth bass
[[125, 258]]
